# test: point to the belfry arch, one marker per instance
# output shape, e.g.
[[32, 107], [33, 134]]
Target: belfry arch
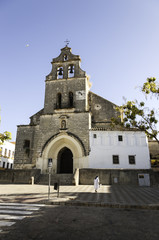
[[66, 152]]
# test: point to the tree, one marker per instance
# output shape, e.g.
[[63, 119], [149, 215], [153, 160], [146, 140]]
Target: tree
[[134, 114], [5, 136], [151, 86]]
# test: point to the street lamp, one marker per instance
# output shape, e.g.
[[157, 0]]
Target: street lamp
[[49, 170]]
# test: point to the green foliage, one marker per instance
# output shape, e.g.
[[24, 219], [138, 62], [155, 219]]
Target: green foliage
[[151, 86], [135, 115], [5, 136]]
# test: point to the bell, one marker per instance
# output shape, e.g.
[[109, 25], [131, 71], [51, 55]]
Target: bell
[[60, 72], [71, 69]]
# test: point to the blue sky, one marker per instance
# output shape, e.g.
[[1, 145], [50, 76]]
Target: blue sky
[[117, 40]]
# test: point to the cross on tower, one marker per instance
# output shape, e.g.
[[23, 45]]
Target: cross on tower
[[67, 42]]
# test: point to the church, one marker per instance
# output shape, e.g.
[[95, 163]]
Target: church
[[74, 130]]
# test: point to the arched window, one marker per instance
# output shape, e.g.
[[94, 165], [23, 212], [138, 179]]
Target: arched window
[[65, 58], [70, 99], [71, 71], [59, 99], [59, 72]]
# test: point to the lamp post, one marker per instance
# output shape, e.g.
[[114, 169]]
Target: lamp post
[[49, 170]]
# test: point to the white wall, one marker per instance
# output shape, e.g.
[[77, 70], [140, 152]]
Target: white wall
[[106, 144], [7, 150]]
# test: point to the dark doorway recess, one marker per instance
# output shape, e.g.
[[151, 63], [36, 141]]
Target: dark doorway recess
[[65, 161]]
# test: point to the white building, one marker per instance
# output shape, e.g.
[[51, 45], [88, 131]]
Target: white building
[[7, 150], [119, 150]]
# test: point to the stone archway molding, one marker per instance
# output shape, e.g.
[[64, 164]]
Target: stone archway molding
[[69, 140]]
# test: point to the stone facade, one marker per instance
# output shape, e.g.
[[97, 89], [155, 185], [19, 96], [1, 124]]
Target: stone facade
[[62, 131], [154, 149], [64, 121]]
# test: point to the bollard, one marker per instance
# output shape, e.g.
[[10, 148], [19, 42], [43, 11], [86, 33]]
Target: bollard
[[49, 171], [57, 187], [32, 180]]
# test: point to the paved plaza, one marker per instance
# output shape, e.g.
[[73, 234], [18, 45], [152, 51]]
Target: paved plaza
[[115, 212], [121, 196]]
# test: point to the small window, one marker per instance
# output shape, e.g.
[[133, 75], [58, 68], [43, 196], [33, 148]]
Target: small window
[[115, 159], [9, 154], [11, 166], [3, 164], [141, 176], [94, 135], [26, 143], [131, 159], [120, 138], [13, 154], [27, 147], [5, 152], [65, 58]]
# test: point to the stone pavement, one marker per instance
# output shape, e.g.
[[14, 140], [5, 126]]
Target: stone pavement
[[117, 196]]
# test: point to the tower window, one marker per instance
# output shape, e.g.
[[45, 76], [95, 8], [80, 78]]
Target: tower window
[[71, 71], [65, 58], [70, 99], [59, 72], [26, 143], [94, 135], [120, 138], [27, 147], [115, 159], [59, 100]]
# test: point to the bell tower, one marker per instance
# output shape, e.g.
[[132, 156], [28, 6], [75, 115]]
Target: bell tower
[[67, 85], [60, 131]]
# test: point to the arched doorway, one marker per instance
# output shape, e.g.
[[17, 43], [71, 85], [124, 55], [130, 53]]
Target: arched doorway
[[65, 161]]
